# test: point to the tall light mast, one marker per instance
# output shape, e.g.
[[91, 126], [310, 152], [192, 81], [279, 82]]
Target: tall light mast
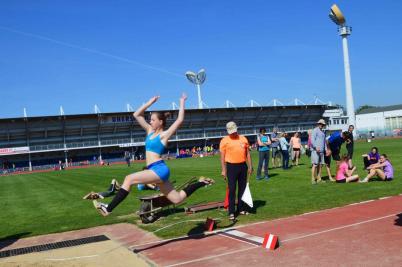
[[344, 31]]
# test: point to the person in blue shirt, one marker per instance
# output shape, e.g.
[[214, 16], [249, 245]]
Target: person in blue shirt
[[334, 143], [263, 141]]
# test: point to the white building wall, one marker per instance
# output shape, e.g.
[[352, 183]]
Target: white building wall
[[376, 122], [393, 113]]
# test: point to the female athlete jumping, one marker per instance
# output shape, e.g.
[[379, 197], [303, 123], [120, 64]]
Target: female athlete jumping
[[157, 171]]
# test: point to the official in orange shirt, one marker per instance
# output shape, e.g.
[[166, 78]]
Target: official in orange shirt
[[236, 164]]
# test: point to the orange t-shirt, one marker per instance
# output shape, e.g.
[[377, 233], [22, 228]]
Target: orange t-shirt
[[235, 149]]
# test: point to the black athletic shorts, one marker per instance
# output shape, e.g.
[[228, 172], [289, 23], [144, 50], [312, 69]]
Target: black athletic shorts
[[349, 148], [327, 160], [341, 181], [335, 155]]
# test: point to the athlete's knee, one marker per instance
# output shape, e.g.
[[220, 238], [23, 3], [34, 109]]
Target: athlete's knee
[[176, 200]]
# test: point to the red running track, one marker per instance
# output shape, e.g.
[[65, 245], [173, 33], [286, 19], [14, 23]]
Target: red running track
[[362, 234]]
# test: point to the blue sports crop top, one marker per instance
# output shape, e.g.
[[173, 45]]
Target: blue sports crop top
[[154, 145]]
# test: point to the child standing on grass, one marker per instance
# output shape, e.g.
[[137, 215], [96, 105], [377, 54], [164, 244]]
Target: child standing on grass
[[344, 175]]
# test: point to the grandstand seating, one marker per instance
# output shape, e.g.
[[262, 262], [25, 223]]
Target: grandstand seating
[[53, 138]]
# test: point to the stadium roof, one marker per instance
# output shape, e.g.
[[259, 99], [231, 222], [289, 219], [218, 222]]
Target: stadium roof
[[207, 110], [380, 109]]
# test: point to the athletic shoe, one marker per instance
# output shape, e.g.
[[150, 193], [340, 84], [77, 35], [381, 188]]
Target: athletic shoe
[[365, 180], [266, 177], [207, 181], [232, 217], [258, 177], [93, 195], [101, 208]]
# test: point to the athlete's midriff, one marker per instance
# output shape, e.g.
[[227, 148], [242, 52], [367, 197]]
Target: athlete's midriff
[[152, 157]]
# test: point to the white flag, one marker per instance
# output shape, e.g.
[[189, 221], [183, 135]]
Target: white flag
[[247, 196]]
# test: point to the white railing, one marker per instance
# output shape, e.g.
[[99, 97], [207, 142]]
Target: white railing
[[178, 137]]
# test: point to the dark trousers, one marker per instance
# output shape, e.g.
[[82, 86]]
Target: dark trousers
[[237, 174], [366, 162], [263, 158], [285, 159], [110, 191]]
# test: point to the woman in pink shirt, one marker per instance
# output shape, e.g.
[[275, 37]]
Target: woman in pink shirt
[[295, 144], [344, 175]]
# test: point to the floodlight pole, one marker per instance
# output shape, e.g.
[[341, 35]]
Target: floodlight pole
[[344, 32], [199, 96]]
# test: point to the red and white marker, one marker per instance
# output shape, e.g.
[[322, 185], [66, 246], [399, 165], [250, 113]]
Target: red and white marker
[[270, 241], [209, 224]]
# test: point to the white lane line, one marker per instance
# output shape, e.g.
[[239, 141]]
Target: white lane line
[[73, 258], [338, 228], [383, 198], [212, 257], [286, 240]]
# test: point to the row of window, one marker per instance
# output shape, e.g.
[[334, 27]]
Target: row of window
[[338, 121], [393, 122]]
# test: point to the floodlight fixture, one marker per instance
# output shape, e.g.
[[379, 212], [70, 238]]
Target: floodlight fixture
[[197, 79], [336, 15], [344, 31]]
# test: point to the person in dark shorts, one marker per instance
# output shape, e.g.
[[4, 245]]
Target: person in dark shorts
[[275, 149], [263, 153], [350, 146], [334, 143], [327, 160]]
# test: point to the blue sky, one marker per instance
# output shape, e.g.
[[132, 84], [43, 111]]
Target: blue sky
[[110, 53]]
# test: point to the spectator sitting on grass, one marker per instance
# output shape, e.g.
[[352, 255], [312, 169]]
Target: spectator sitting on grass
[[344, 175], [382, 169], [371, 158]]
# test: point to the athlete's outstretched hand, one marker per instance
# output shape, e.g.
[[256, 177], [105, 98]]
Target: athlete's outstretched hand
[[183, 97], [153, 99]]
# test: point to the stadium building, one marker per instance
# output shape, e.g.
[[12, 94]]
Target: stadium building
[[29, 143]]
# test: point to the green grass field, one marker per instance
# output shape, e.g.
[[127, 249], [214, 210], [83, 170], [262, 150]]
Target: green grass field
[[42, 203]]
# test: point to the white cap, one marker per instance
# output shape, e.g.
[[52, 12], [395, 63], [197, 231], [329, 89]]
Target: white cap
[[231, 127]]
